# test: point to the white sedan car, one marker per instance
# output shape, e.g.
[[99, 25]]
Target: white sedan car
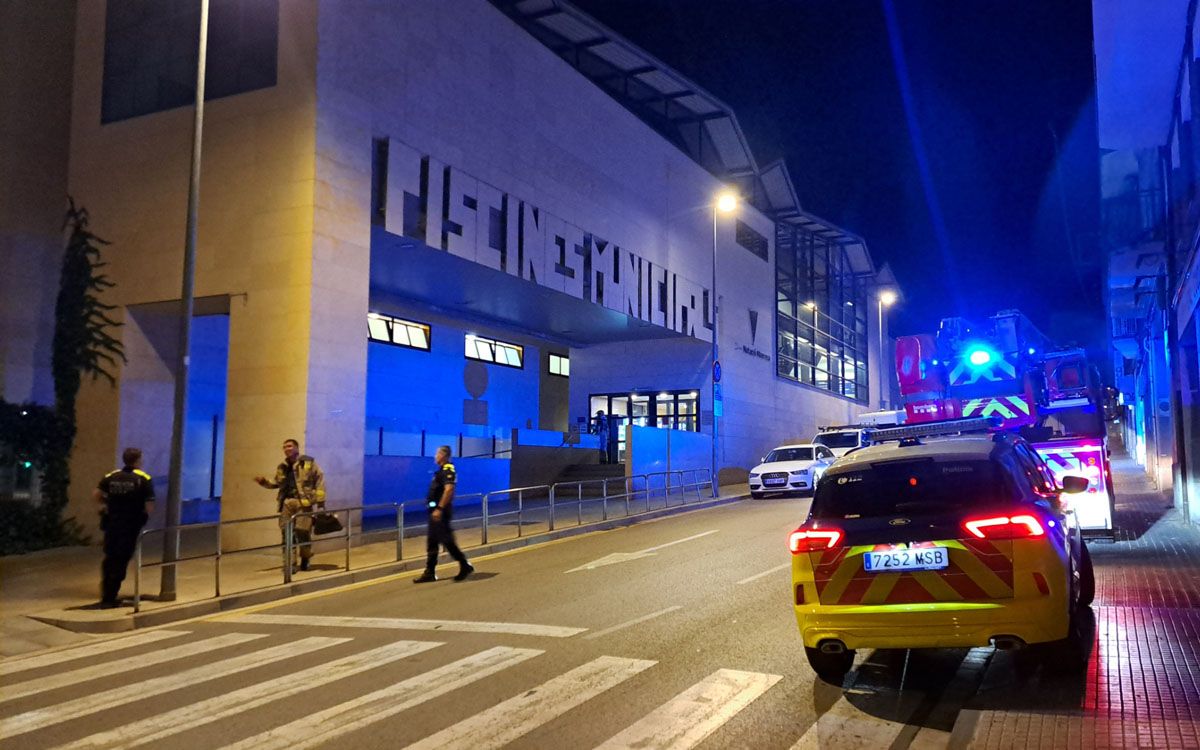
[[790, 468]]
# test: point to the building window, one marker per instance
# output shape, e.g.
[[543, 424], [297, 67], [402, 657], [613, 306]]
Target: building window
[[560, 365], [820, 314], [379, 177], [496, 352], [398, 332], [150, 51], [750, 239]]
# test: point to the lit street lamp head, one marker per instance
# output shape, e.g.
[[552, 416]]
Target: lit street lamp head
[[887, 298], [727, 202]]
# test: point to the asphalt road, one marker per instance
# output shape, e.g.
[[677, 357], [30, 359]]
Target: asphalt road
[[673, 633]]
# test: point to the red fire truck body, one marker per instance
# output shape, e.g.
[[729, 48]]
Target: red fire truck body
[[1007, 369]]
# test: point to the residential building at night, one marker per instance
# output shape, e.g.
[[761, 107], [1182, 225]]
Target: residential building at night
[[1146, 58]]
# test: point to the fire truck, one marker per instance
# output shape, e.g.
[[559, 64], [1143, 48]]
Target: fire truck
[[1006, 369]]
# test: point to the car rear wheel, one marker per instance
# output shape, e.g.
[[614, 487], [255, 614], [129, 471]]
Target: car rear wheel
[[830, 667], [1087, 576]]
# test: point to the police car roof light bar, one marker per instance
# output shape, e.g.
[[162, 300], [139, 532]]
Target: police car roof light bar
[[935, 429]]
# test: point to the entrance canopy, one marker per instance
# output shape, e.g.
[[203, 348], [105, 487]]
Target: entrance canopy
[[408, 269]]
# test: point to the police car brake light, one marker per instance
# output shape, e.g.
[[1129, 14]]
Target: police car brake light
[[1004, 527], [813, 540]]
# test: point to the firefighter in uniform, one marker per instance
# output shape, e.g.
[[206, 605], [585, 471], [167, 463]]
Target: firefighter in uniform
[[441, 509], [126, 498], [301, 486]]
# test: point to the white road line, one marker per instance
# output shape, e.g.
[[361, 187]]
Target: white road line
[[323, 726], [843, 725], [521, 714], [630, 623], [103, 647], [164, 725], [394, 623], [679, 541], [688, 718], [141, 691], [756, 576], [623, 557], [75, 676]]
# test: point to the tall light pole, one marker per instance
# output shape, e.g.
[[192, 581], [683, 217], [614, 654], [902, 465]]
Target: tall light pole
[[166, 588], [726, 202], [886, 298]]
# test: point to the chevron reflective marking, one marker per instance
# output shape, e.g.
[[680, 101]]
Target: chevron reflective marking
[[96, 671], [321, 727], [521, 714], [139, 692], [687, 719], [988, 372], [1008, 407], [104, 647], [164, 725]]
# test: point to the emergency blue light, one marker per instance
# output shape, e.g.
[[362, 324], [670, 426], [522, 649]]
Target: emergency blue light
[[979, 357]]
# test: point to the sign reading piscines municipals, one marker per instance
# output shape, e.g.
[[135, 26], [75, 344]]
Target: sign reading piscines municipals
[[448, 209]]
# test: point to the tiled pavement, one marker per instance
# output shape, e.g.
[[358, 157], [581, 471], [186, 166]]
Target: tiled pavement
[[1142, 684]]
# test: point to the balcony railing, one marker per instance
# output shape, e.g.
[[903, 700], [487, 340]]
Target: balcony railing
[[1133, 217]]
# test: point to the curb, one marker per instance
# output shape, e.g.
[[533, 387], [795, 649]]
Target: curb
[[79, 621]]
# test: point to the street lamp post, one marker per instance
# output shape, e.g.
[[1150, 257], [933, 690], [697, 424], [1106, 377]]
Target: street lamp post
[[726, 203], [166, 589], [886, 299]]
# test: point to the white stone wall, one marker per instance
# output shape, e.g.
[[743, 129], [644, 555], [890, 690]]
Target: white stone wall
[[462, 84]]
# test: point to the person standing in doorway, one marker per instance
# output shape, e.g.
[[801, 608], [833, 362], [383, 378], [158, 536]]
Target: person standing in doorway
[[126, 499], [600, 427], [441, 509], [301, 486]]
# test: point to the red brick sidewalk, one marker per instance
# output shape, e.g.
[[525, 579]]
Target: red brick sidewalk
[[1141, 688]]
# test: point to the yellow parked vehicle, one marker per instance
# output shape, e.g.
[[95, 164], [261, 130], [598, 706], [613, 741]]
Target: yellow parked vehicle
[[937, 537]]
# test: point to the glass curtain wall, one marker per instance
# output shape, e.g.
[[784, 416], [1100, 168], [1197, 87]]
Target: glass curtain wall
[[821, 314]]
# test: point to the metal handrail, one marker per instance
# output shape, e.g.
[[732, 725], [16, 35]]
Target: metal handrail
[[286, 544], [676, 480]]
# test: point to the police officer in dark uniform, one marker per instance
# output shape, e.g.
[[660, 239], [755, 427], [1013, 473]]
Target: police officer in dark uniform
[[126, 499], [441, 508]]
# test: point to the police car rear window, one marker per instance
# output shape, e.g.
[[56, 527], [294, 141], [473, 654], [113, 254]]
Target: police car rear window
[[912, 487], [837, 439]]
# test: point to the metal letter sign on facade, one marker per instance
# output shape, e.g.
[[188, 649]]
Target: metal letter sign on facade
[[448, 209], [717, 371]]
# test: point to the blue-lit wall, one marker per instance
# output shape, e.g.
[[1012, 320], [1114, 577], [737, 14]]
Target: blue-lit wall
[[443, 394], [207, 378], [409, 390]]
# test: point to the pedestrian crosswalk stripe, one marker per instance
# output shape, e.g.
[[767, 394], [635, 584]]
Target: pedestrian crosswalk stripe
[[164, 725], [688, 718], [521, 714], [844, 725], [323, 726], [75, 676], [103, 647], [139, 692], [396, 623]]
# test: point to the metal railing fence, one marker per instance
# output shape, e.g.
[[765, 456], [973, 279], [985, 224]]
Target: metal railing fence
[[633, 495]]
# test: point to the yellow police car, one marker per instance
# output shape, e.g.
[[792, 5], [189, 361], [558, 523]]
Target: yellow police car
[[938, 537]]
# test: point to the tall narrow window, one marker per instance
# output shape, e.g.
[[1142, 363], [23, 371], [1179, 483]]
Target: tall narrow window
[[560, 365]]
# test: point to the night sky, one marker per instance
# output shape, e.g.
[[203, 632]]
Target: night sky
[[961, 191]]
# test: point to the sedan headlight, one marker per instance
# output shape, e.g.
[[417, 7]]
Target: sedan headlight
[[753, 475], [800, 472]]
